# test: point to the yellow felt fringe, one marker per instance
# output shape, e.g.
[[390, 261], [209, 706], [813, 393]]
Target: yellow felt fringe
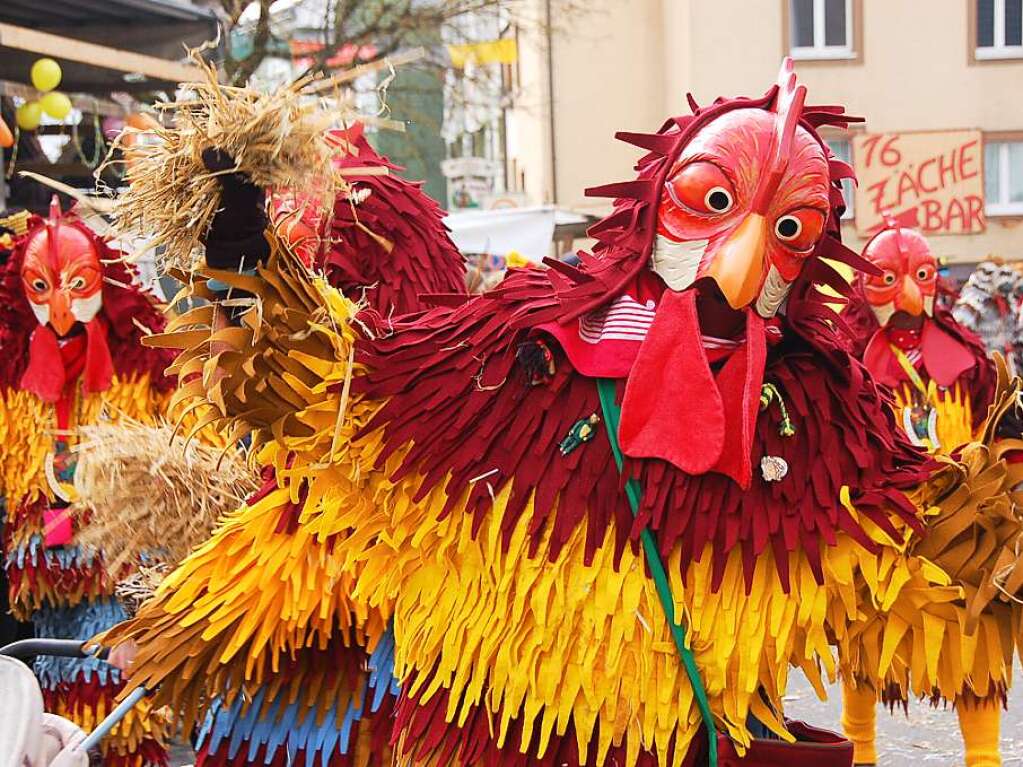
[[954, 419], [28, 428], [142, 723], [939, 644]]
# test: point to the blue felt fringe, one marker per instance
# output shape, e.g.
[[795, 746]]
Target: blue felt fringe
[[296, 728], [82, 621], [63, 557]]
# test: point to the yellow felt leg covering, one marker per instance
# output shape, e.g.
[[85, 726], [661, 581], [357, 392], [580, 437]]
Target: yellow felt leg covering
[[859, 720], [980, 722]]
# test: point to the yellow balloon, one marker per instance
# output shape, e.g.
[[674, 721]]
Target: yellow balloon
[[29, 115], [56, 105], [46, 74]]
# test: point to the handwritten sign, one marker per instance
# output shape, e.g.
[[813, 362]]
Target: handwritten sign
[[930, 180]]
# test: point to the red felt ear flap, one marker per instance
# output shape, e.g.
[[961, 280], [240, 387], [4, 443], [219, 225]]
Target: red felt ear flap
[[671, 392], [99, 368], [945, 357], [879, 359], [44, 375]]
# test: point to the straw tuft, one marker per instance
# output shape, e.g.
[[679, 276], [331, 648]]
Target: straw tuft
[[279, 139], [148, 495]]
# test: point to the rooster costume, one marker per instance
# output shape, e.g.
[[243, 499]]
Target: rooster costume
[[386, 245], [70, 340], [553, 586], [945, 398], [938, 371]]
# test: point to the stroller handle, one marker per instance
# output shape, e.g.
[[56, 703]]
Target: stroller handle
[[60, 648]]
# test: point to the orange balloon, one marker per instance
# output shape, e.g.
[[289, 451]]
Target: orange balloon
[[6, 137], [135, 134], [141, 121]]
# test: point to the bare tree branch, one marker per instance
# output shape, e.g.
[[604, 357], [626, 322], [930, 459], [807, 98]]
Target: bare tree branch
[[386, 26]]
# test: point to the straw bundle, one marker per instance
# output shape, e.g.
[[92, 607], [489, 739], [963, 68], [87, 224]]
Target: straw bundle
[[279, 139], [139, 586], [147, 495]]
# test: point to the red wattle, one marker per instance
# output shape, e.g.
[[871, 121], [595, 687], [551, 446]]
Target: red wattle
[[881, 361], [44, 375], [739, 382], [671, 384]]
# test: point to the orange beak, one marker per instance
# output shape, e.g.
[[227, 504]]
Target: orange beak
[[61, 317], [910, 299], [738, 266]]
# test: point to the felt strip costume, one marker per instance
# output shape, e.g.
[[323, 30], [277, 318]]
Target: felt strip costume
[[989, 305], [949, 401], [70, 340], [938, 370], [330, 703], [431, 495]]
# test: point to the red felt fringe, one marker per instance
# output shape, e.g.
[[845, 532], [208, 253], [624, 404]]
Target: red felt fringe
[[417, 257], [423, 734], [456, 396], [40, 581]]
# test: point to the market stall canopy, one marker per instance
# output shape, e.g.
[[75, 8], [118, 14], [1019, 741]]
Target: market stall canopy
[[103, 45], [526, 231]]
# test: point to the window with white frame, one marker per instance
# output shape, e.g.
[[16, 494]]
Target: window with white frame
[[999, 29], [820, 29], [1003, 178], [842, 149]]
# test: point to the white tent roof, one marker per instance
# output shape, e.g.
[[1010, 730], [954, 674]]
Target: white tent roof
[[527, 231]]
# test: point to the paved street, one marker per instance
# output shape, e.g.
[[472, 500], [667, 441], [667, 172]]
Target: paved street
[[181, 755], [928, 736]]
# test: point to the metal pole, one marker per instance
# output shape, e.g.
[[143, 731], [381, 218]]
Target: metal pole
[[113, 718], [550, 108]]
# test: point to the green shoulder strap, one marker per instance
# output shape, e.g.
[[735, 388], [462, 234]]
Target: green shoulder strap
[[612, 415]]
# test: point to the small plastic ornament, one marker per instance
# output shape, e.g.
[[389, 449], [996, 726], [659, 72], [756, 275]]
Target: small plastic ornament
[[46, 75], [29, 115], [56, 105], [773, 468]]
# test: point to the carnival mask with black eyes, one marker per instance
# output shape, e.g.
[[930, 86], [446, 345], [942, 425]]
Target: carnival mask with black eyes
[[62, 277], [909, 275]]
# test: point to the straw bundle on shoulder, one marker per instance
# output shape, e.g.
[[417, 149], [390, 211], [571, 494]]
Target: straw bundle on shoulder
[[278, 139], [146, 495]]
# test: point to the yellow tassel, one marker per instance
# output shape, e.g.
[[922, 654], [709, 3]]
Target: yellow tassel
[[859, 721], [980, 722]]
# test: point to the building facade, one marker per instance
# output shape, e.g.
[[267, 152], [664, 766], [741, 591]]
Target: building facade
[[953, 68]]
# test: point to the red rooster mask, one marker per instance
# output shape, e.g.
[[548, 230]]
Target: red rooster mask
[[742, 205], [62, 278], [901, 295]]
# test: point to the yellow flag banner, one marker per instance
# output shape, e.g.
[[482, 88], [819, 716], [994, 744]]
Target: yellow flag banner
[[503, 51]]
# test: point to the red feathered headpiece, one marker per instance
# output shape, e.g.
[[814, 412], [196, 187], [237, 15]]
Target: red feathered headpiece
[[60, 277], [896, 305]]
